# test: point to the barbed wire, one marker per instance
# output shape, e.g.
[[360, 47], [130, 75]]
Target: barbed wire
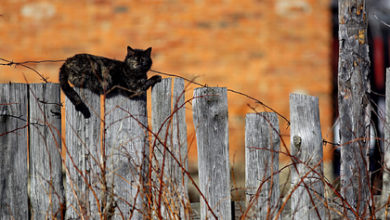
[[24, 64], [192, 81], [229, 90], [27, 62]]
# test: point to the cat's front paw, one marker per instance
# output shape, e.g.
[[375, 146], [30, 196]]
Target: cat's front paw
[[156, 78], [151, 82]]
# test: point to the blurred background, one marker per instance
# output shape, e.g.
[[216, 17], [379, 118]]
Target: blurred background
[[264, 48]]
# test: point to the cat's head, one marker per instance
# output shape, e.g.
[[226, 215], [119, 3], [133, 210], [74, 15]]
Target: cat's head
[[139, 60]]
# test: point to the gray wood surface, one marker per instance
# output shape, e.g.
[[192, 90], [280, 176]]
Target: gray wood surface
[[179, 146], [166, 204], [307, 156], [127, 154], [172, 195], [162, 122], [83, 158], [262, 165], [353, 103], [13, 151], [386, 149], [46, 186], [124, 163], [210, 113]]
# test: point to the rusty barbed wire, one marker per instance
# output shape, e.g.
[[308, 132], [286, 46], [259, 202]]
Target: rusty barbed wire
[[24, 64], [229, 90]]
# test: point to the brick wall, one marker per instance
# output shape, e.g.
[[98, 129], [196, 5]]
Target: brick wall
[[265, 48]]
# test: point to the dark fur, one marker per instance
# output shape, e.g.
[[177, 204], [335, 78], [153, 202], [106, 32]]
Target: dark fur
[[107, 76]]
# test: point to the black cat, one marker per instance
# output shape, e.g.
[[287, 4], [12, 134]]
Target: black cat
[[107, 76]]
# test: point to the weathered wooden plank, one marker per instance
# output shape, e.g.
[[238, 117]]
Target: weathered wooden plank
[[164, 195], [46, 187], [262, 165], [161, 118], [179, 147], [13, 151], [83, 158], [353, 103], [171, 129], [210, 113], [127, 154], [306, 149], [385, 197]]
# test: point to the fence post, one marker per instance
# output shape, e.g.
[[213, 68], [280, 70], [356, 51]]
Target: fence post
[[210, 112], [161, 126], [354, 106], [127, 154], [386, 149], [179, 146], [46, 187], [262, 165], [82, 142], [13, 148], [171, 128], [307, 200]]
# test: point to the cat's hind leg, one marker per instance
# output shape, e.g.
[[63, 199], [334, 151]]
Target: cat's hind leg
[[65, 74]]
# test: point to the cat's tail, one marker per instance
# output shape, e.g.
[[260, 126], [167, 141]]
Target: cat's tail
[[71, 93]]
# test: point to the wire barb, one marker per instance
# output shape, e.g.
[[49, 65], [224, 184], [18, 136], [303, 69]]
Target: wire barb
[[24, 64], [229, 90]]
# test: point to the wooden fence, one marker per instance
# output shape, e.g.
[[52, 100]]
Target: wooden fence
[[113, 165]]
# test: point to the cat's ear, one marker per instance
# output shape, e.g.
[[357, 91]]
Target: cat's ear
[[130, 51], [148, 51]]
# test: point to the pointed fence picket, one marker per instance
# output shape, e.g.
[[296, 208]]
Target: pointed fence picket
[[113, 166]]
